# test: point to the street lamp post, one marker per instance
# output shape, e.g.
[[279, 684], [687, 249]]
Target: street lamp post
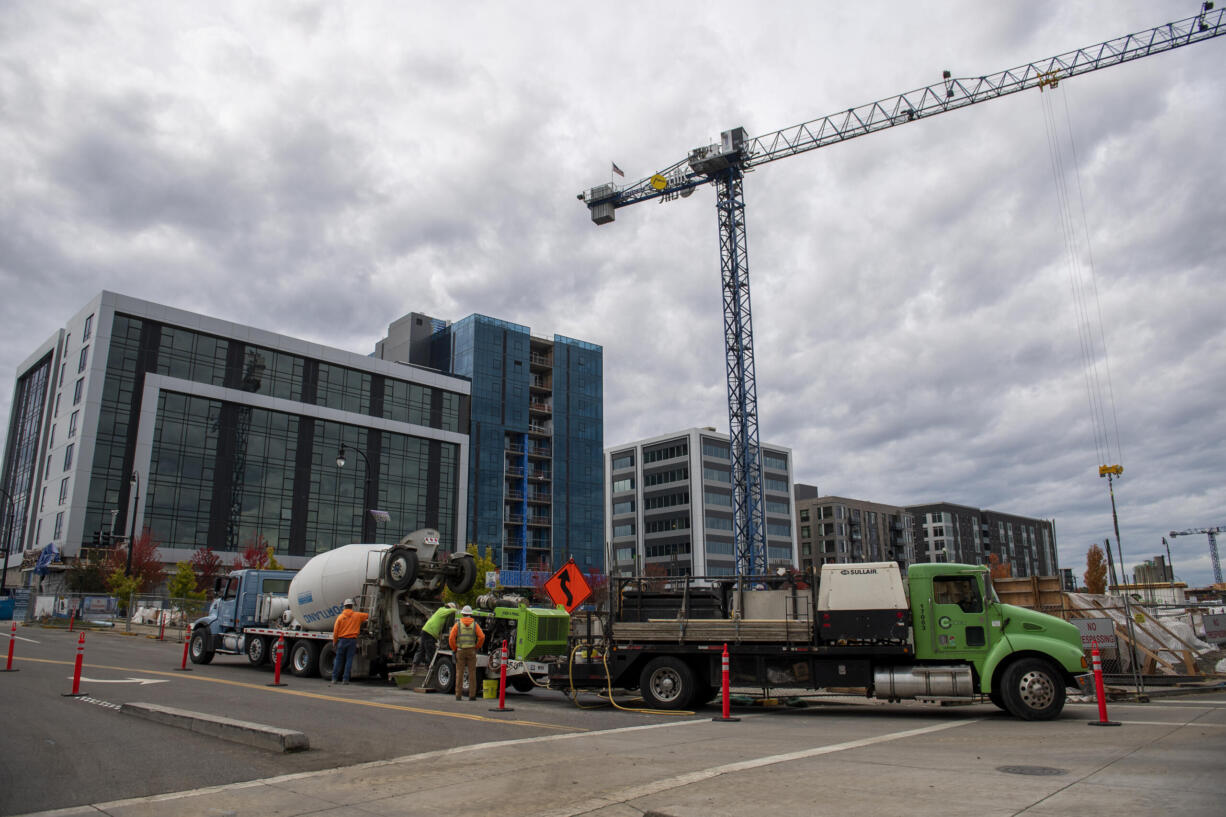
[[9, 516], [132, 536], [368, 533]]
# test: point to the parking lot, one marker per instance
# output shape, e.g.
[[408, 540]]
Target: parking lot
[[376, 749]]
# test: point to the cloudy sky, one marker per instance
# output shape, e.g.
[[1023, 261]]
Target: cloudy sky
[[319, 169]]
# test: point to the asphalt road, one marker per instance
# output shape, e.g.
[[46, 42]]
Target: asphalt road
[[58, 751], [836, 756]]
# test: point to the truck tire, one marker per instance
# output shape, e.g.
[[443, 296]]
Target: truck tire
[[257, 650], [465, 574], [521, 683], [1032, 689], [400, 570], [199, 647], [304, 658], [327, 657], [996, 699], [444, 674], [667, 683]]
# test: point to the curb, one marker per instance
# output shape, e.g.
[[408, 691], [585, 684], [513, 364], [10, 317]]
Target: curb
[[236, 731]]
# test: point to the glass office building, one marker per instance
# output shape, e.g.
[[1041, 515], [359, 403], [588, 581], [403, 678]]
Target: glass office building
[[212, 433], [535, 482]]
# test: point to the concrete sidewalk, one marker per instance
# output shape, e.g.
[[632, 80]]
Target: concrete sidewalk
[[921, 761]]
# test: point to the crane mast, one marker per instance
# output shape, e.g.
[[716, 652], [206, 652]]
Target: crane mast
[[724, 165], [1212, 534]]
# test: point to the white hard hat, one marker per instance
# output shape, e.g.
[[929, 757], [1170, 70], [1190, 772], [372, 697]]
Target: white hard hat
[[348, 602], [451, 604], [467, 611]]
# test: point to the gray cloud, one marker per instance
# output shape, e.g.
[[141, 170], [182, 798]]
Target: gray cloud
[[320, 170]]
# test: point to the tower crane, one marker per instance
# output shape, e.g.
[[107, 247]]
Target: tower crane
[[725, 164], [1212, 534]]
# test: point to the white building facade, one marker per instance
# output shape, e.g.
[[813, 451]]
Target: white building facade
[[668, 505]]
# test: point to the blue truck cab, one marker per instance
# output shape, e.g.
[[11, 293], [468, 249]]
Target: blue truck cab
[[245, 599]]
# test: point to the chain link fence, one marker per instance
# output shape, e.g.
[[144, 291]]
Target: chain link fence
[[157, 616]]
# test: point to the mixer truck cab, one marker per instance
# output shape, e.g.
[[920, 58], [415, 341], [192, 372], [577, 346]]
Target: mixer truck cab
[[243, 599]]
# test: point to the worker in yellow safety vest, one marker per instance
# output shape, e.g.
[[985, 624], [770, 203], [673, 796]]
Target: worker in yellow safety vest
[[466, 638]]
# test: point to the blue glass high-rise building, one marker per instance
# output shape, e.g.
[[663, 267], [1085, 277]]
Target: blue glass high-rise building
[[536, 471]]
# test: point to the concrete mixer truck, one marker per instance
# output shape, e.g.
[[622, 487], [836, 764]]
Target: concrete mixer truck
[[397, 585]]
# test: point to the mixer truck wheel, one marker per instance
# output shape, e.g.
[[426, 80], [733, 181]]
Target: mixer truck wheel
[[400, 570], [304, 658], [327, 656], [257, 650], [199, 647], [461, 581]]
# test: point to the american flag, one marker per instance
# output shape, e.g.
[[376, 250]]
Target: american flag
[[618, 170]]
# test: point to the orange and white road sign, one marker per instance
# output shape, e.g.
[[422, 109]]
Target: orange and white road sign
[[567, 587]]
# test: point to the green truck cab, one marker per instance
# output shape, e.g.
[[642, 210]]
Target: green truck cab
[[1022, 659]]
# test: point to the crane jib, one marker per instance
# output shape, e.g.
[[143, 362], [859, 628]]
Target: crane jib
[[724, 165]]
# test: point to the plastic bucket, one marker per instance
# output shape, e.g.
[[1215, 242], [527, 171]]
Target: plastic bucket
[[489, 688]]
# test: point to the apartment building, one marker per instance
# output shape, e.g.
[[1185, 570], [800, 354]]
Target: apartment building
[[669, 505], [836, 529], [947, 532]]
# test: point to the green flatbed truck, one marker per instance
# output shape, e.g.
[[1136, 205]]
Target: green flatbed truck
[[938, 634]]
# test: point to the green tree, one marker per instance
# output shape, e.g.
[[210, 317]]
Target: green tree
[[1096, 570], [183, 583], [123, 587], [484, 565]]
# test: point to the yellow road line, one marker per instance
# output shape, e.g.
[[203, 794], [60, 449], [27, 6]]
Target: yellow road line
[[316, 695]]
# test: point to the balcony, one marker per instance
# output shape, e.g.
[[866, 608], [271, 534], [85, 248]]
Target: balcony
[[540, 408], [542, 476], [516, 495], [539, 520], [513, 471], [540, 451], [512, 519]]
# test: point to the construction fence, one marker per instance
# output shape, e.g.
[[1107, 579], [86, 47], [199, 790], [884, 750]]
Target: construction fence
[[148, 614]]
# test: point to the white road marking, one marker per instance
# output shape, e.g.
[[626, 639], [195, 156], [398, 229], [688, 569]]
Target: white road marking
[[19, 638], [689, 778], [141, 681]]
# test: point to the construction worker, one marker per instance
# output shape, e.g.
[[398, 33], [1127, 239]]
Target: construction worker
[[345, 639], [466, 638], [430, 631]]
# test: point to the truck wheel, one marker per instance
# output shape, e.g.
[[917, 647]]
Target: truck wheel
[[521, 683], [327, 657], [304, 658], [444, 674], [995, 697], [1032, 690], [400, 570], [257, 650], [461, 581], [667, 683], [199, 648]]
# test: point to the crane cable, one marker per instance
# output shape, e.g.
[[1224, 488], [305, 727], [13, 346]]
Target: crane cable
[[1084, 285]]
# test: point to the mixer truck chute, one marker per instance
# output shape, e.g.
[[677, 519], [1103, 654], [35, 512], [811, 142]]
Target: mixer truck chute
[[397, 585]]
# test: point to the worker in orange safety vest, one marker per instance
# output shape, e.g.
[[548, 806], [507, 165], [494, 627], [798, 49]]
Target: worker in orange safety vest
[[345, 639], [466, 638]]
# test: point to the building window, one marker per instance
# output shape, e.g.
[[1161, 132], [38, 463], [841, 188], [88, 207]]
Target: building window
[[59, 525], [623, 461], [710, 449], [51, 438], [72, 425], [89, 326], [63, 490], [804, 514], [620, 508], [776, 462], [778, 507], [621, 485], [83, 359], [667, 453], [716, 475], [38, 532], [68, 456], [57, 404], [42, 502], [718, 523], [716, 498], [804, 532], [780, 485], [623, 530], [778, 529], [76, 390]]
